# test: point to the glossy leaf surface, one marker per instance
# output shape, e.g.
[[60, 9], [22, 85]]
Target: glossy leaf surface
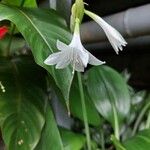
[[141, 141], [27, 3], [72, 141], [50, 138], [75, 105], [41, 29], [108, 89], [22, 103]]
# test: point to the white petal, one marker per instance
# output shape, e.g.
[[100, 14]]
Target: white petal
[[115, 38], [65, 60], [63, 64], [94, 61], [62, 46], [114, 45], [77, 63], [79, 68], [52, 59], [84, 57]]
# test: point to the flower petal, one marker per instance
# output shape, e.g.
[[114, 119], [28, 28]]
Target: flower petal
[[79, 67], [61, 46], [94, 61], [52, 59], [114, 37], [84, 56], [77, 63], [65, 60]]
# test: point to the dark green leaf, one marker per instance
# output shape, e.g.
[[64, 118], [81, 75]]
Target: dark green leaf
[[139, 142], [50, 138], [76, 108], [117, 143], [71, 140], [41, 29], [27, 3], [22, 103], [108, 89]]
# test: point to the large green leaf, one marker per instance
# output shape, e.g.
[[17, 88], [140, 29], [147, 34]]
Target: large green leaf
[[50, 138], [41, 29], [75, 105], [27, 3], [108, 91], [139, 142], [22, 103], [72, 141]]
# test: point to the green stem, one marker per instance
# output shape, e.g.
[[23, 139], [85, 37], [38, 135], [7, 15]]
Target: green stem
[[12, 32], [10, 39], [102, 139], [84, 112], [116, 127], [117, 143], [140, 117], [22, 3], [148, 121]]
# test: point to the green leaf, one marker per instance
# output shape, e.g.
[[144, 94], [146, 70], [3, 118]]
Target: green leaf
[[41, 29], [27, 3], [72, 141], [141, 141], [117, 143], [108, 89], [75, 105], [50, 138], [22, 103]]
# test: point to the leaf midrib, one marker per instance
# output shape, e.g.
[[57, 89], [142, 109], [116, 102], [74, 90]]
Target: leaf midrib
[[29, 19]]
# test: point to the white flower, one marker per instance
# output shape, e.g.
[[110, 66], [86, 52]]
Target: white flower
[[74, 54], [115, 38]]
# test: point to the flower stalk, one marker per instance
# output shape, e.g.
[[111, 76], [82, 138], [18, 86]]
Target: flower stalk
[[84, 111], [116, 123], [140, 117], [77, 11]]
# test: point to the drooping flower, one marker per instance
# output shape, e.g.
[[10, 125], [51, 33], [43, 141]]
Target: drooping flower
[[3, 31], [74, 54], [114, 37]]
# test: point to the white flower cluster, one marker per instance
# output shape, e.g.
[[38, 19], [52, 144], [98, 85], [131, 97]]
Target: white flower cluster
[[76, 55]]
